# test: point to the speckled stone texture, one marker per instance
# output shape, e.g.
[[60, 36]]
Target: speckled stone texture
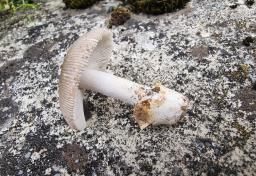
[[201, 51]]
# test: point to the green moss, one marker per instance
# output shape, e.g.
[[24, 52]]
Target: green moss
[[119, 16], [4, 5], [16, 12], [155, 6], [17, 5], [79, 4], [241, 74]]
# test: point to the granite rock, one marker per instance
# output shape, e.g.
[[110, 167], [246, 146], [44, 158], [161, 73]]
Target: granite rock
[[218, 135]]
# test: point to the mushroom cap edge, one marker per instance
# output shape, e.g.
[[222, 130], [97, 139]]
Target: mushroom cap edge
[[92, 50]]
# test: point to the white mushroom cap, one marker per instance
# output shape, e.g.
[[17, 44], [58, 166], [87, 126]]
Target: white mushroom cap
[[92, 50]]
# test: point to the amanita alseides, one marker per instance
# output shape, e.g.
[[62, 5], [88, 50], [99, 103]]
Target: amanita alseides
[[83, 68]]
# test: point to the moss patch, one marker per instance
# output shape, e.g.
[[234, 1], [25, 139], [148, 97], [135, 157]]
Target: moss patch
[[79, 4], [119, 16], [17, 5], [15, 11], [4, 5], [155, 6]]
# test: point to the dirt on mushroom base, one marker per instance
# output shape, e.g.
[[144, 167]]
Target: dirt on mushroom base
[[155, 107], [143, 110]]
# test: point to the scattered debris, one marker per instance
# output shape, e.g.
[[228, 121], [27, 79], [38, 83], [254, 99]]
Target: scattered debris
[[119, 16]]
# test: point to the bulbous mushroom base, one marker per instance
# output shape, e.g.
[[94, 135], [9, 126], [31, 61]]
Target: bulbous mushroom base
[[160, 106]]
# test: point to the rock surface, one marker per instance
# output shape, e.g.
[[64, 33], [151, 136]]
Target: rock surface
[[198, 51]]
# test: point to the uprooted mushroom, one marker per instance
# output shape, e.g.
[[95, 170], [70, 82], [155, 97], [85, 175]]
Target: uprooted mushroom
[[83, 68]]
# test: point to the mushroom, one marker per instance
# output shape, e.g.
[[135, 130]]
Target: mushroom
[[83, 69]]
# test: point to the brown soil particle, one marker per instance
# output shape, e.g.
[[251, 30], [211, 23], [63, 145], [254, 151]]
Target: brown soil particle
[[119, 16]]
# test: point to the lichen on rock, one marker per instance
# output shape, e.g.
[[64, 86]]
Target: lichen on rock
[[217, 136]]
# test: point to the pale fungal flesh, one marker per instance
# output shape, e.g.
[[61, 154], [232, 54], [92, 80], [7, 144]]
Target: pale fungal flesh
[[83, 68]]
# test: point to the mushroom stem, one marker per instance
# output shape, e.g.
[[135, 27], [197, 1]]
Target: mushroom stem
[[157, 105], [111, 85]]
